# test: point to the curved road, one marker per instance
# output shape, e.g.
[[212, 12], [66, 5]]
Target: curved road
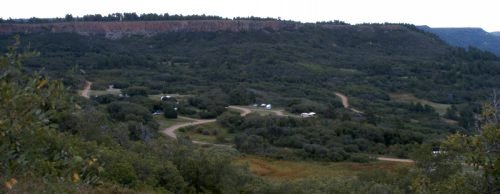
[[170, 131], [244, 111], [345, 103]]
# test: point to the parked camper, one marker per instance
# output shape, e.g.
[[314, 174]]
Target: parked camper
[[307, 114]]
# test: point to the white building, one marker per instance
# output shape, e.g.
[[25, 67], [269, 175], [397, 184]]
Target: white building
[[307, 114]]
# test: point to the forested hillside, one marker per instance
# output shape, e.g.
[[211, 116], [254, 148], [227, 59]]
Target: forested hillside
[[408, 92], [468, 37]]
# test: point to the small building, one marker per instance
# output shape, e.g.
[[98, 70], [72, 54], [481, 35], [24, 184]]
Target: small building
[[269, 107]]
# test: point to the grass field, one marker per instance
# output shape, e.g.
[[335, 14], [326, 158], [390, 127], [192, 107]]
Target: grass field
[[263, 112], [207, 133], [408, 98], [115, 92], [281, 170]]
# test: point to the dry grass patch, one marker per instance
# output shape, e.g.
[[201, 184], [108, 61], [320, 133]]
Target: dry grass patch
[[409, 98], [290, 170]]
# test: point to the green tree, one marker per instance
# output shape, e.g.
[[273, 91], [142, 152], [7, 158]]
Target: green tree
[[136, 91], [31, 107], [464, 163], [451, 113], [170, 113], [69, 18]]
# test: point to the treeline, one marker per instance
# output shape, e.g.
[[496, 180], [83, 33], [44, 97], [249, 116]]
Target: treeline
[[335, 22], [138, 17], [317, 139], [114, 17]]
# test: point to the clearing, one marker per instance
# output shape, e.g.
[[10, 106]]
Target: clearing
[[210, 132], [283, 170], [263, 111], [410, 98]]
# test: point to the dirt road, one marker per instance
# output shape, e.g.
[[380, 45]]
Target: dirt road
[[244, 111], [345, 103], [170, 131], [86, 89], [395, 160], [278, 113]]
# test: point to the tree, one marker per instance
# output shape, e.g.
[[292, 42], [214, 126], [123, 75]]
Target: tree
[[466, 118], [451, 113], [464, 163], [371, 117], [31, 107], [170, 113], [136, 91], [209, 171], [240, 96], [69, 18], [126, 111]]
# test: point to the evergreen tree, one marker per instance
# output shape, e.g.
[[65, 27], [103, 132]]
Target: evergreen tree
[[170, 113]]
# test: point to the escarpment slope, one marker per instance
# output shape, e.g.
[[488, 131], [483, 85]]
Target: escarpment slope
[[119, 29]]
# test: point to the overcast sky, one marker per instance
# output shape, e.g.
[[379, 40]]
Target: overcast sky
[[435, 13]]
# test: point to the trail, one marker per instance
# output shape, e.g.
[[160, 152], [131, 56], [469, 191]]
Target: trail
[[86, 89], [170, 131], [395, 160], [244, 111], [345, 103]]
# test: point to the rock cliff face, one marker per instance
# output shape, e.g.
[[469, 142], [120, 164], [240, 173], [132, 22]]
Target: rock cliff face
[[119, 29]]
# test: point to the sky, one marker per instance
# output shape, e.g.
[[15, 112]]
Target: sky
[[434, 13]]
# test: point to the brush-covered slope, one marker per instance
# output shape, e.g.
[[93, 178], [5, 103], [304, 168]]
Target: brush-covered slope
[[286, 65]]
